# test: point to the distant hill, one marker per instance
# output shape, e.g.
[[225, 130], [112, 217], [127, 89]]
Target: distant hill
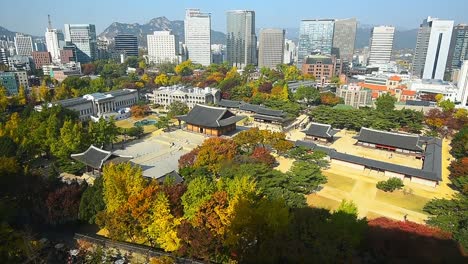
[[5, 33], [155, 24]]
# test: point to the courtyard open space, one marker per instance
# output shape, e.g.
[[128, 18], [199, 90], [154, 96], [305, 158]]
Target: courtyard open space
[[158, 154], [359, 186]]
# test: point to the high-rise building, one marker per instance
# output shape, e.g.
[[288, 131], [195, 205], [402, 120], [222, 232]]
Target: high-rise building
[[432, 48], [68, 53], [163, 46], [241, 39], [271, 48], [41, 58], [458, 48], [197, 28], [83, 36], [462, 85], [315, 36], [39, 45], [8, 80], [322, 67], [23, 45], [3, 56], [381, 45], [126, 43], [54, 42], [290, 52], [344, 37]]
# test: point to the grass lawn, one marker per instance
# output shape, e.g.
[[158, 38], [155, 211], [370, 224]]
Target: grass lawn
[[343, 183], [318, 201], [398, 198]]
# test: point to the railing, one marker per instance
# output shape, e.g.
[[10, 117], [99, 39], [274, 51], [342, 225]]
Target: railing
[[131, 247]]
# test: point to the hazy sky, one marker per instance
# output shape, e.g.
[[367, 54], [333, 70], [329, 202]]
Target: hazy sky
[[30, 16]]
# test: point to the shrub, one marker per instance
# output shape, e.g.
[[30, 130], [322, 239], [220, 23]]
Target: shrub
[[390, 185]]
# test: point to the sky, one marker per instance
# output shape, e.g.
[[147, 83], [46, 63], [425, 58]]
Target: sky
[[30, 16]]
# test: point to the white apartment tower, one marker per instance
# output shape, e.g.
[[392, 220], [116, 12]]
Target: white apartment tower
[[197, 28], [23, 45], [381, 45], [271, 48], [163, 46], [432, 48], [462, 84], [54, 41]]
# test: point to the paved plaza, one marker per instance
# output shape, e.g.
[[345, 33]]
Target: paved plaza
[[159, 154]]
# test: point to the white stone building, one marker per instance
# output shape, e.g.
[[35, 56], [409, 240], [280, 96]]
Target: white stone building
[[190, 95], [97, 105]]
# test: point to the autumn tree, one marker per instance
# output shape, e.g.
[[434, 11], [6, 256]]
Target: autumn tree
[[329, 98], [22, 100], [71, 140], [185, 68], [63, 204], [214, 152], [140, 110], [120, 181], [163, 227], [161, 80], [199, 191], [261, 154], [3, 98]]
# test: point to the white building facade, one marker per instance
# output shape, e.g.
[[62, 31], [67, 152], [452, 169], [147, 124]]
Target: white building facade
[[197, 28], [163, 46], [463, 85], [54, 42], [23, 45], [381, 45], [432, 48], [191, 96], [105, 105]]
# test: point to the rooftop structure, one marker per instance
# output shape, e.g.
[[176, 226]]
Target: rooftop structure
[[214, 121], [428, 86], [392, 141], [95, 158], [320, 132], [430, 174]]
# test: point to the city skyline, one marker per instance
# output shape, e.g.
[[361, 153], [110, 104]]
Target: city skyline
[[366, 12]]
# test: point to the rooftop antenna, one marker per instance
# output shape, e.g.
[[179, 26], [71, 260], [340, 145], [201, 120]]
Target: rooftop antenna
[[50, 22]]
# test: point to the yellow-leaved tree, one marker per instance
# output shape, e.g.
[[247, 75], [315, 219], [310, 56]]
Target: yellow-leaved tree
[[163, 228], [120, 182]]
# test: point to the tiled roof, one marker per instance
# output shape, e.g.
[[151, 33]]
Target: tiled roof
[[173, 175], [429, 172], [320, 130], [208, 116], [374, 87], [392, 139], [395, 78], [229, 103], [96, 157], [269, 118]]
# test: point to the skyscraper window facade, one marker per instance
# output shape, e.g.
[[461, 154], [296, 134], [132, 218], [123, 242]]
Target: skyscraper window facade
[[197, 26], [241, 43], [315, 36]]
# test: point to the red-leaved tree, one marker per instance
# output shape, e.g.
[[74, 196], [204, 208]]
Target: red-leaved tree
[[261, 154]]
